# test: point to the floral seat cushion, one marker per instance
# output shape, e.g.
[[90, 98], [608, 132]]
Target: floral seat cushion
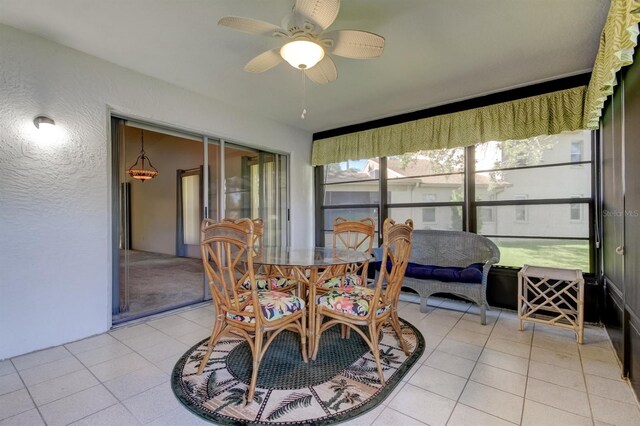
[[274, 305], [269, 283], [348, 280], [352, 301]]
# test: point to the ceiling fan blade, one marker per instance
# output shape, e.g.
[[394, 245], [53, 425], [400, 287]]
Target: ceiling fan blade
[[251, 26], [320, 12], [323, 72], [264, 61], [355, 44]]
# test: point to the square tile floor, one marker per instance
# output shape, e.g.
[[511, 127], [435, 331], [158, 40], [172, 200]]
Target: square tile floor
[[469, 375]]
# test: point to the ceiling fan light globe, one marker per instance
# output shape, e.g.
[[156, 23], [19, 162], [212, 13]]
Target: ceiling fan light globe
[[302, 54]]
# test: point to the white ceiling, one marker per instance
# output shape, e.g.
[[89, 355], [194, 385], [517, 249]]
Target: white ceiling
[[437, 51]]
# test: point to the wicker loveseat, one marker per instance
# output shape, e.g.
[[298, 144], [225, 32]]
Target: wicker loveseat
[[451, 262]]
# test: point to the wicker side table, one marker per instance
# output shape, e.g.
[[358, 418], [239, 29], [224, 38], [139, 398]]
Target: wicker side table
[[552, 296]]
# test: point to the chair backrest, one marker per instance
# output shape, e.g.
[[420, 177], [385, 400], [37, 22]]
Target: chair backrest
[[355, 235], [227, 256], [258, 233], [396, 249]]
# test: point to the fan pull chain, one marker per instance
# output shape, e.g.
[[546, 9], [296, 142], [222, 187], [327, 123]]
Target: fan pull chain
[[304, 95]]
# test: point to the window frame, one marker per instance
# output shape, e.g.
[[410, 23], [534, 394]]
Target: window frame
[[469, 205]]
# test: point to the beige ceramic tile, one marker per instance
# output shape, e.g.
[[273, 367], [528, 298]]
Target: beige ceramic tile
[[119, 366], [138, 381], [170, 322], [500, 379], [554, 343], [423, 405], [493, 401], [394, 392], [182, 329], [507, 362], [192, 338], [180, 416], [6, 367], [44, 372], [610, 389], [77, 406], [104, 353], [473, 325], [557, 375], [28, 418], [438, 382], [513, 335], [35, 359], [596, 336], [464, 416], [559, 359], [432, 331], [197, 313], [467, 336], [389, 416], [473, 314], [558, 396], [153, 403], [509, 347], [614, 412], [598, 353], [450, 363], [368, 418], [461, 349], [114, 415], [146, 340], [10, 383], [14, 403], [610, 370], [54, 389], [536, 414], [412, 314], [129, 332], [91, 343], [561, 334], [169, 347]]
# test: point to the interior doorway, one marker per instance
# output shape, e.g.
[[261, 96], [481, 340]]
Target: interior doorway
[[156, 254]]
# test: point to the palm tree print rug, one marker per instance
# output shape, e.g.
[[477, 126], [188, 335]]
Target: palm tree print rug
[[341, 384]]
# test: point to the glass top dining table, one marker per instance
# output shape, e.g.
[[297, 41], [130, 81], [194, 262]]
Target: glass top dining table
[[309, 267], [309, 257]]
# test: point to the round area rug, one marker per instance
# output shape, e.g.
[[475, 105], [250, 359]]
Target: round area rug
[[341, 384]]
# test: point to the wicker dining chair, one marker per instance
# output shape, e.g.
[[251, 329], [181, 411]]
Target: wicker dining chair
[[227, 254], [371, 307], [355, 235], [267, 278]]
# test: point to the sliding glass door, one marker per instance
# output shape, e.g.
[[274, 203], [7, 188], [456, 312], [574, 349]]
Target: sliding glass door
[[255, 186], [157, 221]]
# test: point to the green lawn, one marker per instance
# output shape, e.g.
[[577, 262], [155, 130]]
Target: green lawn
[[555, 253]]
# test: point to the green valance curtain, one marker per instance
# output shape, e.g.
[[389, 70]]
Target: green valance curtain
[[617, 43], [550, 113], [572, 109]]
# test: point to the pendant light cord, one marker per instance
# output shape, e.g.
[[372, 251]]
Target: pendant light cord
[[304, 95]]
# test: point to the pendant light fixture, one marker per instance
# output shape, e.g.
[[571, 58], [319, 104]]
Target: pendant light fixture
[[140, 173]]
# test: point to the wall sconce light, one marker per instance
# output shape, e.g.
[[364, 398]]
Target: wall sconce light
[[43, 123], [48, 133]]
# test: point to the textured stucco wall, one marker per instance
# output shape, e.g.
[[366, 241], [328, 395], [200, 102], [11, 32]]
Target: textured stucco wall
[[55, 224]]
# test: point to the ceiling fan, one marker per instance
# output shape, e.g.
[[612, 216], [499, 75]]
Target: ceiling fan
[[306, 45]]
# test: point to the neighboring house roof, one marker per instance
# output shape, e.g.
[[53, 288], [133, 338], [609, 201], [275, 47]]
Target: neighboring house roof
[[420, 170]]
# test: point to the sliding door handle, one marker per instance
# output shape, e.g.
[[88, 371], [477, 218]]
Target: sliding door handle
[[620, 250]]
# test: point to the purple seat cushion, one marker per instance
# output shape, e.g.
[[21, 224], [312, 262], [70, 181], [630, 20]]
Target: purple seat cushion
[[471, 274]]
